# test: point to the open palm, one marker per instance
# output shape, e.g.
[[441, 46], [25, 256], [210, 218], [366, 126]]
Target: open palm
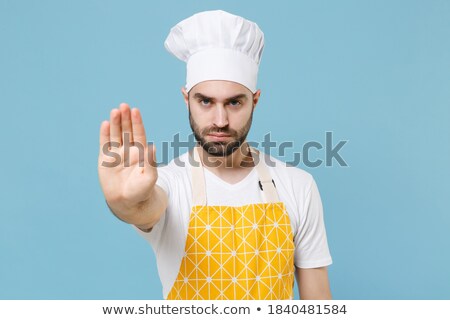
[[126, 164]]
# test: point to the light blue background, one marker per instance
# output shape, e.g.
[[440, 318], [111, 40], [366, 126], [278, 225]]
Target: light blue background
[[376, 73]]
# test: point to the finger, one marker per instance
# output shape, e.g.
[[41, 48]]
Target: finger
[[138, 127], [115, 129], [125, 116], [104, 134]]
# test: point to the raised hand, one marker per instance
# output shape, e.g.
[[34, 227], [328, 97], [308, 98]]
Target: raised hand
[[126, 164]]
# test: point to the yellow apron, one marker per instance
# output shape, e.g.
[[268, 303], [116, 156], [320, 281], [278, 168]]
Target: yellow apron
[[236, 252]]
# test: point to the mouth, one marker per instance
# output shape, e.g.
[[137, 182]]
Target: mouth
[[219, 136]]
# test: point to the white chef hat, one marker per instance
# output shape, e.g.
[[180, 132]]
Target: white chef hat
[[217, 45]]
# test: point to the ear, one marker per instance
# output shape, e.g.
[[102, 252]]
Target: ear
[[185, 96], [256, 96]]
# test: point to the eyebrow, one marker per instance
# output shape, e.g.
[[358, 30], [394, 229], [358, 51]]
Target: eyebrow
[[236, 97]]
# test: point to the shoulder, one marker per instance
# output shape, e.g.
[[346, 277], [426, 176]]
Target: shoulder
[[177, 166], [295, 185], [290, 176], [174, 176]]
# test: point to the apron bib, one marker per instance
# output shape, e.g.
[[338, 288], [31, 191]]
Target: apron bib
[[236, 252]]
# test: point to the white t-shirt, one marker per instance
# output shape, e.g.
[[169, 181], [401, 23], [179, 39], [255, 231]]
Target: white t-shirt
[[295, 187]]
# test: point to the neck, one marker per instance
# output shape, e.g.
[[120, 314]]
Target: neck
[[240, 159]]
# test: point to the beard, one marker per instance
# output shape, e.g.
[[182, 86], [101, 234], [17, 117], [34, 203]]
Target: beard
[[220, 148]]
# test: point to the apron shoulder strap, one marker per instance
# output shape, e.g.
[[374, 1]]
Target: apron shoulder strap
[[267, 184], [198, 179]]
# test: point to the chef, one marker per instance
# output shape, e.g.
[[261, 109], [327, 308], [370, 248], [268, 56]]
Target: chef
[[225, 220]]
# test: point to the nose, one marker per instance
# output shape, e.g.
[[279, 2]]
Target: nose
[[220, 116]]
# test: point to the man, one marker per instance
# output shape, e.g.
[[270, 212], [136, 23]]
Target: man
[[225, 224]]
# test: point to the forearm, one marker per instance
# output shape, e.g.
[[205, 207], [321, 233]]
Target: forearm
[[144, 214], [313, 284]]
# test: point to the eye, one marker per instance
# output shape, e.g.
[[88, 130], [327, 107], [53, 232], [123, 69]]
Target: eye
[[205, 102], [235, 103]]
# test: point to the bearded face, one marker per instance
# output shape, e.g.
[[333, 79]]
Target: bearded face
[[220, 115], [220, 142]]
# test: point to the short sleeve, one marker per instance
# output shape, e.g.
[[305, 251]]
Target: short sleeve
[[311, 246]]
